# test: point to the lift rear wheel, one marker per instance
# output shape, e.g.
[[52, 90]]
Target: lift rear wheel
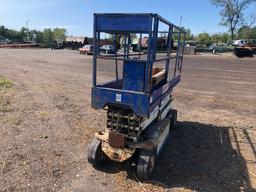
[[173, 118], [146, 164], [95, 154]]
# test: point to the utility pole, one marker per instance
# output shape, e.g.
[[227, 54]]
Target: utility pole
[[27, 21], [181, 20]]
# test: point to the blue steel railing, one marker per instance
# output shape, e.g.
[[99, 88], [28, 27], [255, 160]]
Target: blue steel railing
[[141, 24]]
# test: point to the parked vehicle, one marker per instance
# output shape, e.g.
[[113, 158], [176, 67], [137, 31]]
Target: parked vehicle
[[246, 50], [239, 43], [108, 49], [86, 49]]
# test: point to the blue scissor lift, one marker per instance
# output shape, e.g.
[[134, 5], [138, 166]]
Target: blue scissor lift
[[138, 100]]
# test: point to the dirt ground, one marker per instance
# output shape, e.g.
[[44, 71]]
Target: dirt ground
[[46, 124]]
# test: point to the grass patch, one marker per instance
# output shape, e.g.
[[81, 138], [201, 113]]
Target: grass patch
[[5, 83]]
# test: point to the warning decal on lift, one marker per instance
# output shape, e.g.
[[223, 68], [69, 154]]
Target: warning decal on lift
[[118, 97]]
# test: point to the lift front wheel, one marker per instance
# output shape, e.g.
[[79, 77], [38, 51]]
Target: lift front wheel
[[146, 164], [95, 154]]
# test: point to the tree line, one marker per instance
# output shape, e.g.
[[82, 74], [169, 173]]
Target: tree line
[[45, 37], [204, 38], [48, 36]]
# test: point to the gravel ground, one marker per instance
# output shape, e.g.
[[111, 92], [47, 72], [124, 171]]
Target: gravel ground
[[46, 124]]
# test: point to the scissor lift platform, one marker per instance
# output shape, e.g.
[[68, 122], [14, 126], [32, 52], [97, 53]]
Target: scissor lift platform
[[138, 99]]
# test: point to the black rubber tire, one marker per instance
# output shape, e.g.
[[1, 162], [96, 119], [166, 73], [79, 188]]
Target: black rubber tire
[[146, 164], [95, 154], [173, 118]]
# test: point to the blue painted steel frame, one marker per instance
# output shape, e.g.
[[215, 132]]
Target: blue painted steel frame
[[142, 103]]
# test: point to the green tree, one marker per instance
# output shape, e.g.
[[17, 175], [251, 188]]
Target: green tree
[[23, 33], [59, 34], [225, 37], [204, 38], [220, 38], [47, 37], [3, 31], [246, 32], [232, 13], [189, 36]]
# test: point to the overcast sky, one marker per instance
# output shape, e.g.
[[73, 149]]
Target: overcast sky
[[77, 15]]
